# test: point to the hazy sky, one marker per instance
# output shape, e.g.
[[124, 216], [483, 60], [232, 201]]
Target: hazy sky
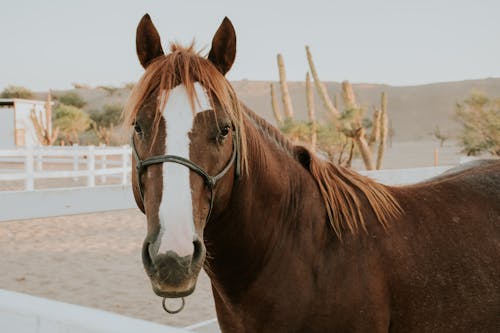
[[50, 44]]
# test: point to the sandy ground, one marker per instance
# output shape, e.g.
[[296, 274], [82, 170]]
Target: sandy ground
[[94, 259], [91, 260]]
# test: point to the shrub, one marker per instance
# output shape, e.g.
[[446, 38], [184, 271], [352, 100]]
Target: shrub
[[480, 120], [17, 92], [72, 98], [71, 121], [110, 115]]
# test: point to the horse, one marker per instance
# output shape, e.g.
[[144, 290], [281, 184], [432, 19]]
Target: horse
[[290, 241]]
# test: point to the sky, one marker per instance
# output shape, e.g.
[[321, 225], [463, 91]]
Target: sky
[[52, 44]]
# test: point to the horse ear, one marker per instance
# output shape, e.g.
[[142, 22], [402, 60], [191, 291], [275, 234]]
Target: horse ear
[[303, 156], [147, 41], [223, 49]]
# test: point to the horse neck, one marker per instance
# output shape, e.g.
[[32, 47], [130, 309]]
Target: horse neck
[[265, 214]]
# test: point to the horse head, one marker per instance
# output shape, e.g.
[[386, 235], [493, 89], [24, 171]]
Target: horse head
[[187, 151]]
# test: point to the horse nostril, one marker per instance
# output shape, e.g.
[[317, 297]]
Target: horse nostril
[[146, 257], [198, 250]]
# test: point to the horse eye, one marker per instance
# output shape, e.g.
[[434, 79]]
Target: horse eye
[[225, 131], [137, 128]]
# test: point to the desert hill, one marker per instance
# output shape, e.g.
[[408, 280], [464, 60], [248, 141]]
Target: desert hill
[[414, 111]]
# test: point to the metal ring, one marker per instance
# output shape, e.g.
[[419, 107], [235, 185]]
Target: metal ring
[[173, 311]]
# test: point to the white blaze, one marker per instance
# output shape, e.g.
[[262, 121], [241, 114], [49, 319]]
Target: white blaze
[[176, 208]]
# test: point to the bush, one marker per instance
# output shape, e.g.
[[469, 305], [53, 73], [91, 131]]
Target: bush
[[109, 89], [129, 85], [480, 120], [71, 121], [110, 115], [72, 98], [17, 92]]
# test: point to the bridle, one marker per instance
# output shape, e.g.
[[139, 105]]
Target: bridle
[[210, 181]]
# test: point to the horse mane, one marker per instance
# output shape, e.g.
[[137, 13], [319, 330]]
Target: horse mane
[[270, 132], [183, 65], [342, 189]]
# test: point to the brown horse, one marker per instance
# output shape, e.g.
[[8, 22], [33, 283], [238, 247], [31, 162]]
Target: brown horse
[[293, 243]]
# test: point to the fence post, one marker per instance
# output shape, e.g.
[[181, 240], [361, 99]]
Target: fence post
[[103, 163], [91, 166], [28, 165], [39, 158], [76, 159], [125, 157]]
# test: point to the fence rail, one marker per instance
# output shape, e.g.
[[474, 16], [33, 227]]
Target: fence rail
[[96, 161]]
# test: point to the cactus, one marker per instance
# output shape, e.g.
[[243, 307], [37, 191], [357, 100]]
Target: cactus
[[384, 128], [285, 95], [364, 149], [103, 133], [320, 86], [311, 112], [358, 131], [275, 106], [375, 133], [43, 130], [348, 97]]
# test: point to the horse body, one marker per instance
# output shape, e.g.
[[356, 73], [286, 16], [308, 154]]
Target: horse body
[[293, 243], [434, 269]]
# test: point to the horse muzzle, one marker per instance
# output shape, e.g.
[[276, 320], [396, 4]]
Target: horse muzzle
[[173, 276]]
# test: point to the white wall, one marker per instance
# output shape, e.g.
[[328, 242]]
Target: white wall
[[21, 313], [23, 120], [404, 176], [7, 132], [67, 201]]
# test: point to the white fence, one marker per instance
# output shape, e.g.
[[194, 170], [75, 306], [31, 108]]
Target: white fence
[[96, 161], [21, 313], [70, 201]]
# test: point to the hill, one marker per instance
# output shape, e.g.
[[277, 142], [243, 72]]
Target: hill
[[414, 111]]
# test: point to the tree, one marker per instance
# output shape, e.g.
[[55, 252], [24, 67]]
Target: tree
[[480, 120], [72, 98], [71, 122], [17, 92]]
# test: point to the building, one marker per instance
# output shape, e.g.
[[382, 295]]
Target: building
[[16, 126]]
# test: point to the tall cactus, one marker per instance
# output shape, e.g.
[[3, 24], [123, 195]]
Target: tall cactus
[[311, 112], [358, 131], [348, 97], [384, 129], [275, 105], [285, 95], [320, 86], [366, 154], [375, 133], [43, 129]]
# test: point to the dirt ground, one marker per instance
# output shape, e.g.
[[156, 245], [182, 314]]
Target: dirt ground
[[91, 260]]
